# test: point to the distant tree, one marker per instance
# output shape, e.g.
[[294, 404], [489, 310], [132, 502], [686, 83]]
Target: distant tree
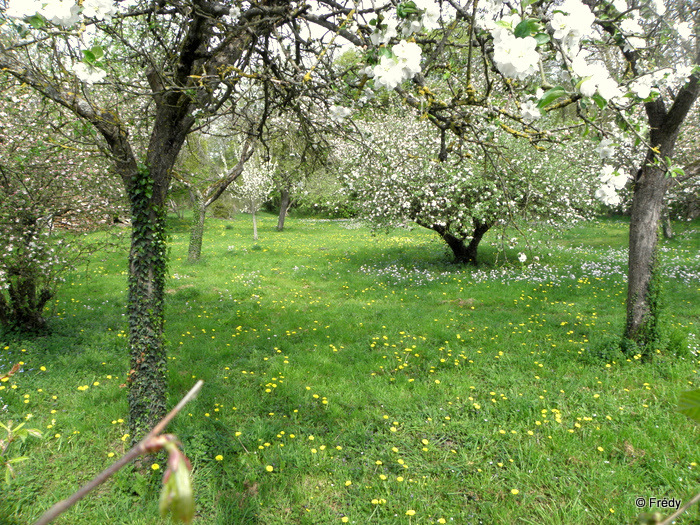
[[399, 176], [206, 174], [255, 187], [298, 148]]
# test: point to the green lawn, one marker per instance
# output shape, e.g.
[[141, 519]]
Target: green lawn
[[360, 378]]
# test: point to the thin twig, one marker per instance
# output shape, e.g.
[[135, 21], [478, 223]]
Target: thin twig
[[135, 451], [680, 511]]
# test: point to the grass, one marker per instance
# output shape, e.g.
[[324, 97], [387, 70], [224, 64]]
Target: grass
[[380, 383]]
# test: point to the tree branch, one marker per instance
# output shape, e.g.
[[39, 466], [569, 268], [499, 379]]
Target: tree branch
[[137, 450]]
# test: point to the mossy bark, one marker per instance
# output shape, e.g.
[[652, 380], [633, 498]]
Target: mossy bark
[[147, 271], [199, 212]]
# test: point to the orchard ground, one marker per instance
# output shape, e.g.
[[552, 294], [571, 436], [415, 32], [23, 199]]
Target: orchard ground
[[359, 378]]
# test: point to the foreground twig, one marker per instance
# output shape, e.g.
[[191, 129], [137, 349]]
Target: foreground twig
[[138, 449], [680, 511]]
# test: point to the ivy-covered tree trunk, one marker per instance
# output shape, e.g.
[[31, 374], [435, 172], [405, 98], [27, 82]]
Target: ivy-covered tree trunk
[[199, 212], [147, 270], [464, 253], [284, 208]]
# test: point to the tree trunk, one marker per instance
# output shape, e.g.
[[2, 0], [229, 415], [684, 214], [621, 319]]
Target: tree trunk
[[255, 226], [147, 270], [464, 253], [199, 211], [650, 186], [667, 225], [647, 204], [284, 208]]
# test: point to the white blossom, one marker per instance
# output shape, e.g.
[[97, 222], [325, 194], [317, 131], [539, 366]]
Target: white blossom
[[409, 55], [431, 13], [571, 22], [515, 57], [62, 12], [607, 195], [388, 73], [339, 113], [684, 30], [659, 7], [641, 87], [87, 73], [605, 149], [385, 34], [522, 257], [530, 111], [100, 9], [22, 8]]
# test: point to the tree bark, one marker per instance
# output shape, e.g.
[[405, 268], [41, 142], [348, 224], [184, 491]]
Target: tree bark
[[650, 186], [667, 224], [255, 226], [284, 208], [147, 270], [464, 253], [647, 204], [199, 212]]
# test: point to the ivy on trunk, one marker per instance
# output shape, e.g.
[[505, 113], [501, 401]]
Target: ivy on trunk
[[147, 269]]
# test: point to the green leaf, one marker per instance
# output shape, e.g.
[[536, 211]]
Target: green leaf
[[689, 404], [600, 101], [36, 21], [542, 38], [89, 57], [527, 27], [18, 459], [98, 52], [405, 9], [551, 95]]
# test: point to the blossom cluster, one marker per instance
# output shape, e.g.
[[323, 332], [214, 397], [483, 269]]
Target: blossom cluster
[[402, 65], [65, 13], [403, 62], [400, 180]]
